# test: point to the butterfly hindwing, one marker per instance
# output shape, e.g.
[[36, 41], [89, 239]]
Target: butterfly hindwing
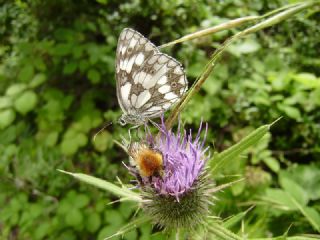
[[148, 82], [163, 82]]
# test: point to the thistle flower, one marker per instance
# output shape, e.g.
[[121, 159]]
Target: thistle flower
[[171, 173]]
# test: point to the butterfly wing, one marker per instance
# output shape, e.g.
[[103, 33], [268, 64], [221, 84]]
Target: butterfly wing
[[132, 50], [160, 83], [148, 82]]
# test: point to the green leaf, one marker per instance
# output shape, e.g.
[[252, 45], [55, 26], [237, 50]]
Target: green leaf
[[26, 102], [69, 147], [6, 118], [294, 190], [81, 200], [307, 176], [62, 49], [77, 51], [131, 235], [122, 192], [102, 141], [39, 64], [272, 163], [126, 209], [16, 89], [71, 133], [237, 189], [73, 217], [26, 73], [83, 65], [114, 217], [11, 150], [70, 68], [42, 230], [94, 76], [313, 216], [212, 86], [279, 199], [68, 235], [290, 111], [52, 139], [130, 226], [244, 47], [102, 1], [107, 231], [235, 219], [81, 139], [5, 102], [231, 153], [93, 222], [308, 80], [37, 80]]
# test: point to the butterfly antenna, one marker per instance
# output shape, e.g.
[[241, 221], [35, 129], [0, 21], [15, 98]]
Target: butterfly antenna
[[104, 127]]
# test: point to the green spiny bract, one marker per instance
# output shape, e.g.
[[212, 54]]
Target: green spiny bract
[[190, 211]]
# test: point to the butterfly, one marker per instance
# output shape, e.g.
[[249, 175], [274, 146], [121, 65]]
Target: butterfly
[[148, 82]]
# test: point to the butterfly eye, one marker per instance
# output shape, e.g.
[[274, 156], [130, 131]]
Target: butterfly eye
[[152, 71], [122, 121], [173, 84]]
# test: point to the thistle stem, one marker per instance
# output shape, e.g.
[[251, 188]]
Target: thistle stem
[[178, 234]]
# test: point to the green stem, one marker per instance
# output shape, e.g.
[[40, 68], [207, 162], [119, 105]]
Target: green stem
[[288, 12], [178, 234], [208, 31]]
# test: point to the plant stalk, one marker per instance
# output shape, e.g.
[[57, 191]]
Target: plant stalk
[[283, 15]]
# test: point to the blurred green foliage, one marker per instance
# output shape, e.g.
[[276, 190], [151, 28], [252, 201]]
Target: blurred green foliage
[[57, 88]]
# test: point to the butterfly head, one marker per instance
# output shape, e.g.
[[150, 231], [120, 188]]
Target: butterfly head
[[122, 120]]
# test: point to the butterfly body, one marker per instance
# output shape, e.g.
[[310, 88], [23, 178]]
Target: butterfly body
[[148, 82], [131, 118]]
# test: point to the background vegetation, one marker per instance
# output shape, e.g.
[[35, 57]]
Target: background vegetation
[[57, 88]]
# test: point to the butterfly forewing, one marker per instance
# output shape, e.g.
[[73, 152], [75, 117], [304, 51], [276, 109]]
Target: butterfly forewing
[[148, 81], [133, 49]]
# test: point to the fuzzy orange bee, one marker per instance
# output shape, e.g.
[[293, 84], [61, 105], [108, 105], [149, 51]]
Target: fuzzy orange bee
[[148, 161]]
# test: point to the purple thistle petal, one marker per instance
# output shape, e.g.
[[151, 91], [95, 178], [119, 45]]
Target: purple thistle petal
[[183, 159]]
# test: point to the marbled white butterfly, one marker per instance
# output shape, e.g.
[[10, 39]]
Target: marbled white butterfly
[[148, 82]]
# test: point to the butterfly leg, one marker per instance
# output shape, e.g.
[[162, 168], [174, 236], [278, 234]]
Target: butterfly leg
[[154, 123], [129, 132], [139, 136]]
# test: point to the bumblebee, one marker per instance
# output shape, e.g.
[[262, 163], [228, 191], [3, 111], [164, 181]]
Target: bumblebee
[[148, 161]]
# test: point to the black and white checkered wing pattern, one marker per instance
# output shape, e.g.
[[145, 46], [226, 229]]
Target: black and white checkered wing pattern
[[148, 82]]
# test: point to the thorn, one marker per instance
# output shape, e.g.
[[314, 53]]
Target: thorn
[[65, 172], [278, 119]]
